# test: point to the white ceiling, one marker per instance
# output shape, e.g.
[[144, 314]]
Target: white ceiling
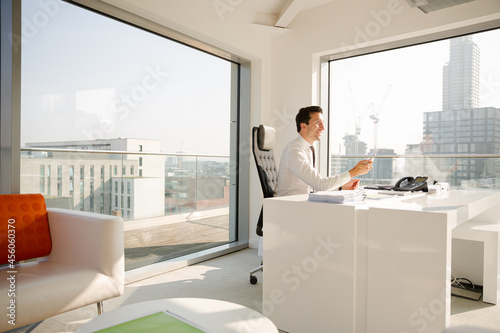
[[286, 10], [279, 13]]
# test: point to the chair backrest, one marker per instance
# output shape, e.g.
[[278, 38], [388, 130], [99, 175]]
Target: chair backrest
[[24, 227], [263, 138]]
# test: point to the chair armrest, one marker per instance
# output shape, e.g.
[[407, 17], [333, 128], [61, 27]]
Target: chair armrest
[[88, 239]]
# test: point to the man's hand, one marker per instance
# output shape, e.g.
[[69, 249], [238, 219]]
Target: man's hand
[[361, 168], [351, 185]]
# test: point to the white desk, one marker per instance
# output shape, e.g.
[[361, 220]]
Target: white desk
[[380, 266], [214, 316]]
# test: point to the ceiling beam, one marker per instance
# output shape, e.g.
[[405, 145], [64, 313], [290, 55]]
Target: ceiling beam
[[289, 11]]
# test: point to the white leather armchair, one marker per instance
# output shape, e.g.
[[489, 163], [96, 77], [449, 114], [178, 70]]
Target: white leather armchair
[[85, 266]]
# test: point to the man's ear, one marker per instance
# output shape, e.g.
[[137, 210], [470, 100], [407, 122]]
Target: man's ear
[[302, 126]]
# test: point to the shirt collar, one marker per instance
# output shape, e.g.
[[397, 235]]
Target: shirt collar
[[303, 142]]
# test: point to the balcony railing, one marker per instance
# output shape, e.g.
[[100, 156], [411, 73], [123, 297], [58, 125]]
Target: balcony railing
[[472, 172], [172, 204]]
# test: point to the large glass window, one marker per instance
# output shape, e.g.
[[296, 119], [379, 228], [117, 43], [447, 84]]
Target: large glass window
[[92, 85], [427, 110]]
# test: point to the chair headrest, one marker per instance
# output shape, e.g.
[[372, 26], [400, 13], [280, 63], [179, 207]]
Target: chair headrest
[[266, 137]]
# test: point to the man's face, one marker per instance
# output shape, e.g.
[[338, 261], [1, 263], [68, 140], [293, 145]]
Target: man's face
[[312, 131]]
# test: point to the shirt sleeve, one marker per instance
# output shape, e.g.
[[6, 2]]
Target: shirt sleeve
[[300, 166]]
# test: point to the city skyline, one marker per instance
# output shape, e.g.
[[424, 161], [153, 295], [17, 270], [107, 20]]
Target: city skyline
[[402, 85]]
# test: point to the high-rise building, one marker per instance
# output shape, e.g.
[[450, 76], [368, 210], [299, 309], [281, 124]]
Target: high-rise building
[[130, 184], [465, 132], [462, 127], [354, 146], [461, 75]]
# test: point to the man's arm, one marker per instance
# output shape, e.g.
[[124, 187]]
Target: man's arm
[[299, 165]]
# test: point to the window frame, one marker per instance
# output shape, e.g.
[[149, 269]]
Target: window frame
[[324, 59]]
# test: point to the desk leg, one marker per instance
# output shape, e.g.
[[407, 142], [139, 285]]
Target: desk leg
[[409, 269]]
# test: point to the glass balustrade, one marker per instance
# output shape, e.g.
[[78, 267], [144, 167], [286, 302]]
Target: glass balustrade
[[172, 204], [467, 172]]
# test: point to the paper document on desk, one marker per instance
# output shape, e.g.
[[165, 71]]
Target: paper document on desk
[[338, 196]]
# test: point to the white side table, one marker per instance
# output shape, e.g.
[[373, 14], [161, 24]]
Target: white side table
[[213, 315]]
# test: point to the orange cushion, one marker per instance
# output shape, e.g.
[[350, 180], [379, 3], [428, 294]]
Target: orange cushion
[[24, 227]]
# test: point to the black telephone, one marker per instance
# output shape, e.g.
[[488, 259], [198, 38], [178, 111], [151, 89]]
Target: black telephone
[[411, 184]]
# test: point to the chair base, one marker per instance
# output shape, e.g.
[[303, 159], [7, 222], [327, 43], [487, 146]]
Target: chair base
[[253, 278]]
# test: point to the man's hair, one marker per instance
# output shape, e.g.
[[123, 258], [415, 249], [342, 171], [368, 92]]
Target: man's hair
[[305, 114]]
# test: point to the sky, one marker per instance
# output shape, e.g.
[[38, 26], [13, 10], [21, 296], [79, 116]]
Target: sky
[[85, 76], [398, 86]]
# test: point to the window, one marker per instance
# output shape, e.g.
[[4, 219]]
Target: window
[[189, 93], [71, 182], [91, 195], [82, 187], [49, 183], [437, 101], [42, 179], [59, 180]]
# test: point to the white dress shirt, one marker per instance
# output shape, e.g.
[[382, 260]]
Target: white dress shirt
[[296, 174]]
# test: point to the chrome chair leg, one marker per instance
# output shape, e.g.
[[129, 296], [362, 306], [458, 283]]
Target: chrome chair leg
[[253, 278], [100, 308]]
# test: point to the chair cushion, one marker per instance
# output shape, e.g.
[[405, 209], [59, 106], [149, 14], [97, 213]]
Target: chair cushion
[[44, 289], [24, 228], [267, 137]]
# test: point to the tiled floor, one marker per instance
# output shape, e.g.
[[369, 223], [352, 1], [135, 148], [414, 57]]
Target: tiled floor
[[227, 278]]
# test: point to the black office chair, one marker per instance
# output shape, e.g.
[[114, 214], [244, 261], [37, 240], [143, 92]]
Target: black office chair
[[263, 138]]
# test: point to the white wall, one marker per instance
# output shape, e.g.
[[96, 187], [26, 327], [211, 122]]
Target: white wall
[[284, 65]]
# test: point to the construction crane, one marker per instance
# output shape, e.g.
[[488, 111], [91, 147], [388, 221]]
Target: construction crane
[[358, 118], [375, 117], [358, 121]]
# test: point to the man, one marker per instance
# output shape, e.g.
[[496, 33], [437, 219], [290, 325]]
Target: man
[[297, 173]]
